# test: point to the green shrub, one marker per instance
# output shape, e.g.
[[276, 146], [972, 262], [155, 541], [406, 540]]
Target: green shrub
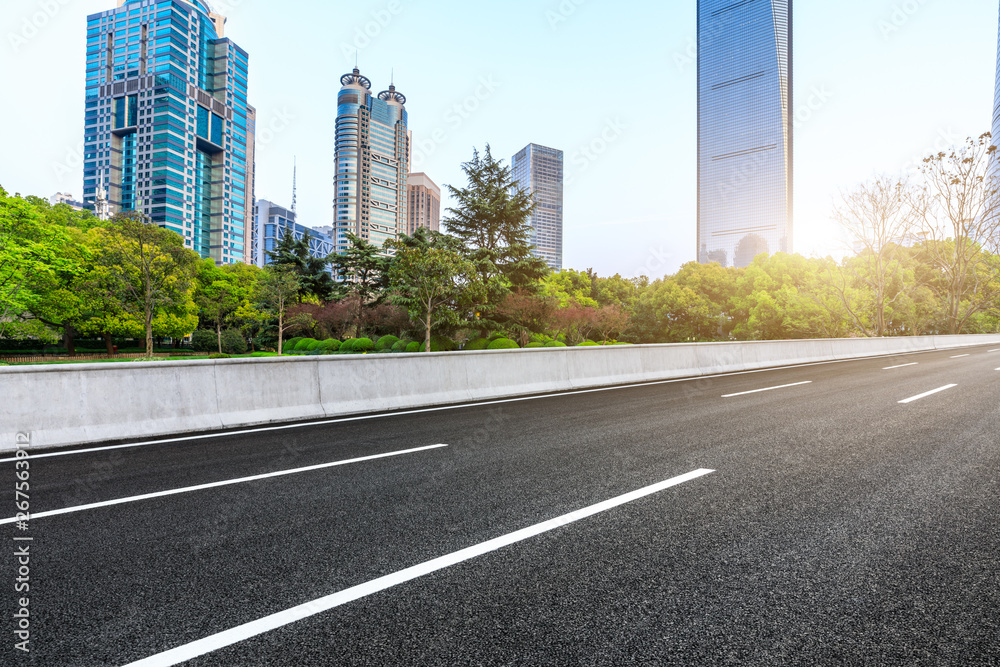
[[443, 344], [204, 340], [503, 344], [555, 343], [358, 345], [216, 355], [329, 345], [588, 343], [415, 347], [386, 343], [234, 342], [387, 351], [540, 338], [291, 343], [477, 344], [304, 344], [534, 344], [497, 336], [261, 355], [401, 346]]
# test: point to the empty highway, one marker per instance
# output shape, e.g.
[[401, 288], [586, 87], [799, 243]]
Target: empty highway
[[838, 513]]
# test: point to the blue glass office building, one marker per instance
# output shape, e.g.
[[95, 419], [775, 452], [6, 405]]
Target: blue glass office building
[[372, 162], [995, 127], [273, 222], [539, 170], [745, 122], [166, 123]]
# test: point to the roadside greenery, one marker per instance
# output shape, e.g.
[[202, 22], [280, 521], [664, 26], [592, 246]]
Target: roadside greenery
[[925, 259]]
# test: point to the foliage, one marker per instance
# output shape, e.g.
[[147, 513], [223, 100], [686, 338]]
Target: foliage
[[503, 344], [358, 345], [555, 343], [312, 273], [362, 270], [203, 340], [386, 342], [477, 344], [443, 344], [401, 345], [233, 342], [276, 289], [413, 347]]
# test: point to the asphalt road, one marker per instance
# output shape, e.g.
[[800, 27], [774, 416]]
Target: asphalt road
[[839, 527]]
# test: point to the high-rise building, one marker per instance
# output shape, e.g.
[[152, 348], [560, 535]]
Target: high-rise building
[[274, 222], [540, 171], [424, 205], [65, 198], [168, 129], [745, 121], [372, 162], [995, 127]]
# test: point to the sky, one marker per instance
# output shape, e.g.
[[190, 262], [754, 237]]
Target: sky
[[878, 84]]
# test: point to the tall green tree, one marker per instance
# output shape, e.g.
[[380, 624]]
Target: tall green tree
[[145, 269], [362, 270], [434, 284], [313, 272], [491, 220], [277, 290]]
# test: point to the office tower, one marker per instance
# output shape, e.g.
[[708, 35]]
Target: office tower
[[745, 119], [372, 162], [424, 205], [540, 171], [65, 198], [168, 127], [273, 222]]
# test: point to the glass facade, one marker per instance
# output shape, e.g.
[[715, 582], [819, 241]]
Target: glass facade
[[995, 127], [271, 225], [539, 170], [744, 129], [166, 123], [372, 161]]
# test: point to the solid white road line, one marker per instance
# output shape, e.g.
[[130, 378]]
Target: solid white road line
[[403, 413], [757, 391], [929, 393], [959, 356], [212, 485], [229, 637], [900, 366], [992, 351]]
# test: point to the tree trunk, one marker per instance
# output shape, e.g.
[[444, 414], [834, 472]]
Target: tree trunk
[[281, 329], [218, 334], [149, 334], [427, 332], [107, 344], [68, 340]]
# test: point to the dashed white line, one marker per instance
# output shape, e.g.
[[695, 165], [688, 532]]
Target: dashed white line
[[929, 393], [959, 356], [239, 633], [901, 366], [212, 485], [757, 391]]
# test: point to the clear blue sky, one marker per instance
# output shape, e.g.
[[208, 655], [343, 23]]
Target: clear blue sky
[[889, 81]]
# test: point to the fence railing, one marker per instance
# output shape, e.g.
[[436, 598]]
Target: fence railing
[[36, 358]]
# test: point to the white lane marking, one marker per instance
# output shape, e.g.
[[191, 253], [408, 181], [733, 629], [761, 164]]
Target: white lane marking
[[213, 485], [461, 406], [757, 391], [900, 366], [992, 351], [241, 632], [929, 393], [959, 356]]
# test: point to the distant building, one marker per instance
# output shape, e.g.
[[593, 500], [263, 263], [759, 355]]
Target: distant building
[[424, 208], [540, 171], [372, 162], [274, 222], [168, 129], [745, 130], [66, 198]]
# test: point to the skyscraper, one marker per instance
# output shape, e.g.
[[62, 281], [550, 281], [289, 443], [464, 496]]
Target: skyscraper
[[273, 222], [995, 127], [168, 129], [540, 171], [372, 162], [424, 205], [745, 123]]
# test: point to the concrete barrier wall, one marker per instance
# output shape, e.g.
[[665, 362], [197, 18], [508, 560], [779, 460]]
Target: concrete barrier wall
[[76, 404]]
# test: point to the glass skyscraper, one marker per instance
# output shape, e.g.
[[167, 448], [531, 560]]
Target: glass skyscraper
[[995, 127], [539, 170], [745, 119], [166, 123], [372, 162], [274, 222]]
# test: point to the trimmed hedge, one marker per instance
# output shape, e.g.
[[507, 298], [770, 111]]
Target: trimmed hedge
[[588, 343], [555, 343], [216, 355], [504, 344], [386, 343], [535, 344], [443, 344], [204, 340], [290, 343], [329, 345], [401, 345], [415, 347], [304, 344], [477, 344], [497, 336]]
